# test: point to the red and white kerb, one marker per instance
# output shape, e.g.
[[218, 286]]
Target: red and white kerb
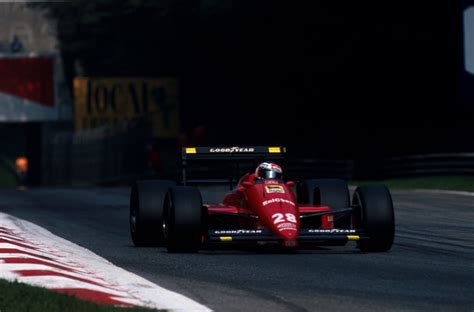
[[33, 255]]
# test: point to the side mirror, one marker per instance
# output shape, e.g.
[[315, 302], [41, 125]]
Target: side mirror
[[246, 184], [290, 183]]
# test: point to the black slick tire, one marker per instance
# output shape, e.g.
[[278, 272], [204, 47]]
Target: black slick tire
[[184, 219], [373, 213], [146, 211]]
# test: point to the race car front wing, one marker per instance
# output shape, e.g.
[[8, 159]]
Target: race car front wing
[[305, 236]]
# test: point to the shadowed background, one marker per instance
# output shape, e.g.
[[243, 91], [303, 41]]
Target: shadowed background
[[336, 80]]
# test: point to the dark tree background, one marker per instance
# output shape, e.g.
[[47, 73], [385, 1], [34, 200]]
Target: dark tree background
[[341, 79]]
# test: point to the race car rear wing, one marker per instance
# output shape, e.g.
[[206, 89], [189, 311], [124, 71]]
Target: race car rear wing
[[233, 153]]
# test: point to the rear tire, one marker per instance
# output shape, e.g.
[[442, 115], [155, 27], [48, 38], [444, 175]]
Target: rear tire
[[373, 213], [327, 192], [146, 212], [184, 219]]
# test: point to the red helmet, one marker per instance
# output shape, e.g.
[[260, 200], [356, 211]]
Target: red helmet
[[268, 170]]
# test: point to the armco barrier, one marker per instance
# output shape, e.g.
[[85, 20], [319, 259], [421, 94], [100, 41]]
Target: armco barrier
[[57, 167], [99, 157], [305, 168], [378, 169], [429, 165]]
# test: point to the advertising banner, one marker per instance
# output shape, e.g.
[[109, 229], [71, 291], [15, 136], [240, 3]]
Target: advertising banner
[[467, 72], [28, 89], [105, 101]]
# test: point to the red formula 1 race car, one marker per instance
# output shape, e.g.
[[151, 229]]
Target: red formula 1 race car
[[261, 210]]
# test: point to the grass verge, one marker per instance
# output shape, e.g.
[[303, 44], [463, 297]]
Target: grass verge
[[452, 183], [7, 178], [19, 297]]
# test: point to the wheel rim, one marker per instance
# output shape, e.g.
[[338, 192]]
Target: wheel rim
[[165, 229], [165, 225], [133, 220], [357, 211]]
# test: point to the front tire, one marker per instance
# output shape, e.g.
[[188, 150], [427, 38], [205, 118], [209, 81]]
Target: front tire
[[146, 211], [184, 219], [373, 213]]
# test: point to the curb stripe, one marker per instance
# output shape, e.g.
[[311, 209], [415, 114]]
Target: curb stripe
[[61, 282], [36, 261], [48, 254], [12, 267], [8, 241], [19, 251], [96, 296], [21, 255], [27, 273], [11, 237]]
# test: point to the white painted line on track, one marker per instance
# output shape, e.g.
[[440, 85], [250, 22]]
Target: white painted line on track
[[33, 255]]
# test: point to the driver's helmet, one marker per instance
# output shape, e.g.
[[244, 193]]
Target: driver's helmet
[[268, 170]]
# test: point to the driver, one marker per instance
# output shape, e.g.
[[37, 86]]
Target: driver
[[268, 170]]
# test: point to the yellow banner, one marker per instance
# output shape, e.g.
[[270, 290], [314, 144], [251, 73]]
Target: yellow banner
[[101, 101]]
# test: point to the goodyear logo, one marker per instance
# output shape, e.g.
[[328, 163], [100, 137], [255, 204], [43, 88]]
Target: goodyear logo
[[234, 149], [331, 231], [242, 231]]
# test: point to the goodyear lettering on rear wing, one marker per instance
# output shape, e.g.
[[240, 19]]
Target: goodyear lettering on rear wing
[[234, 149]]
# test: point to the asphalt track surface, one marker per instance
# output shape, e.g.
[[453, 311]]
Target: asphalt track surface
[[430, 267]]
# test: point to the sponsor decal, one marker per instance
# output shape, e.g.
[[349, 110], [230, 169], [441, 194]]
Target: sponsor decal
[[234, 149], [274, 150], [290, 243], [271, 182], [274, 189], [278, 200], [238, 232], [345, 231], [111, 101], [286, 226], [353, 237]]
